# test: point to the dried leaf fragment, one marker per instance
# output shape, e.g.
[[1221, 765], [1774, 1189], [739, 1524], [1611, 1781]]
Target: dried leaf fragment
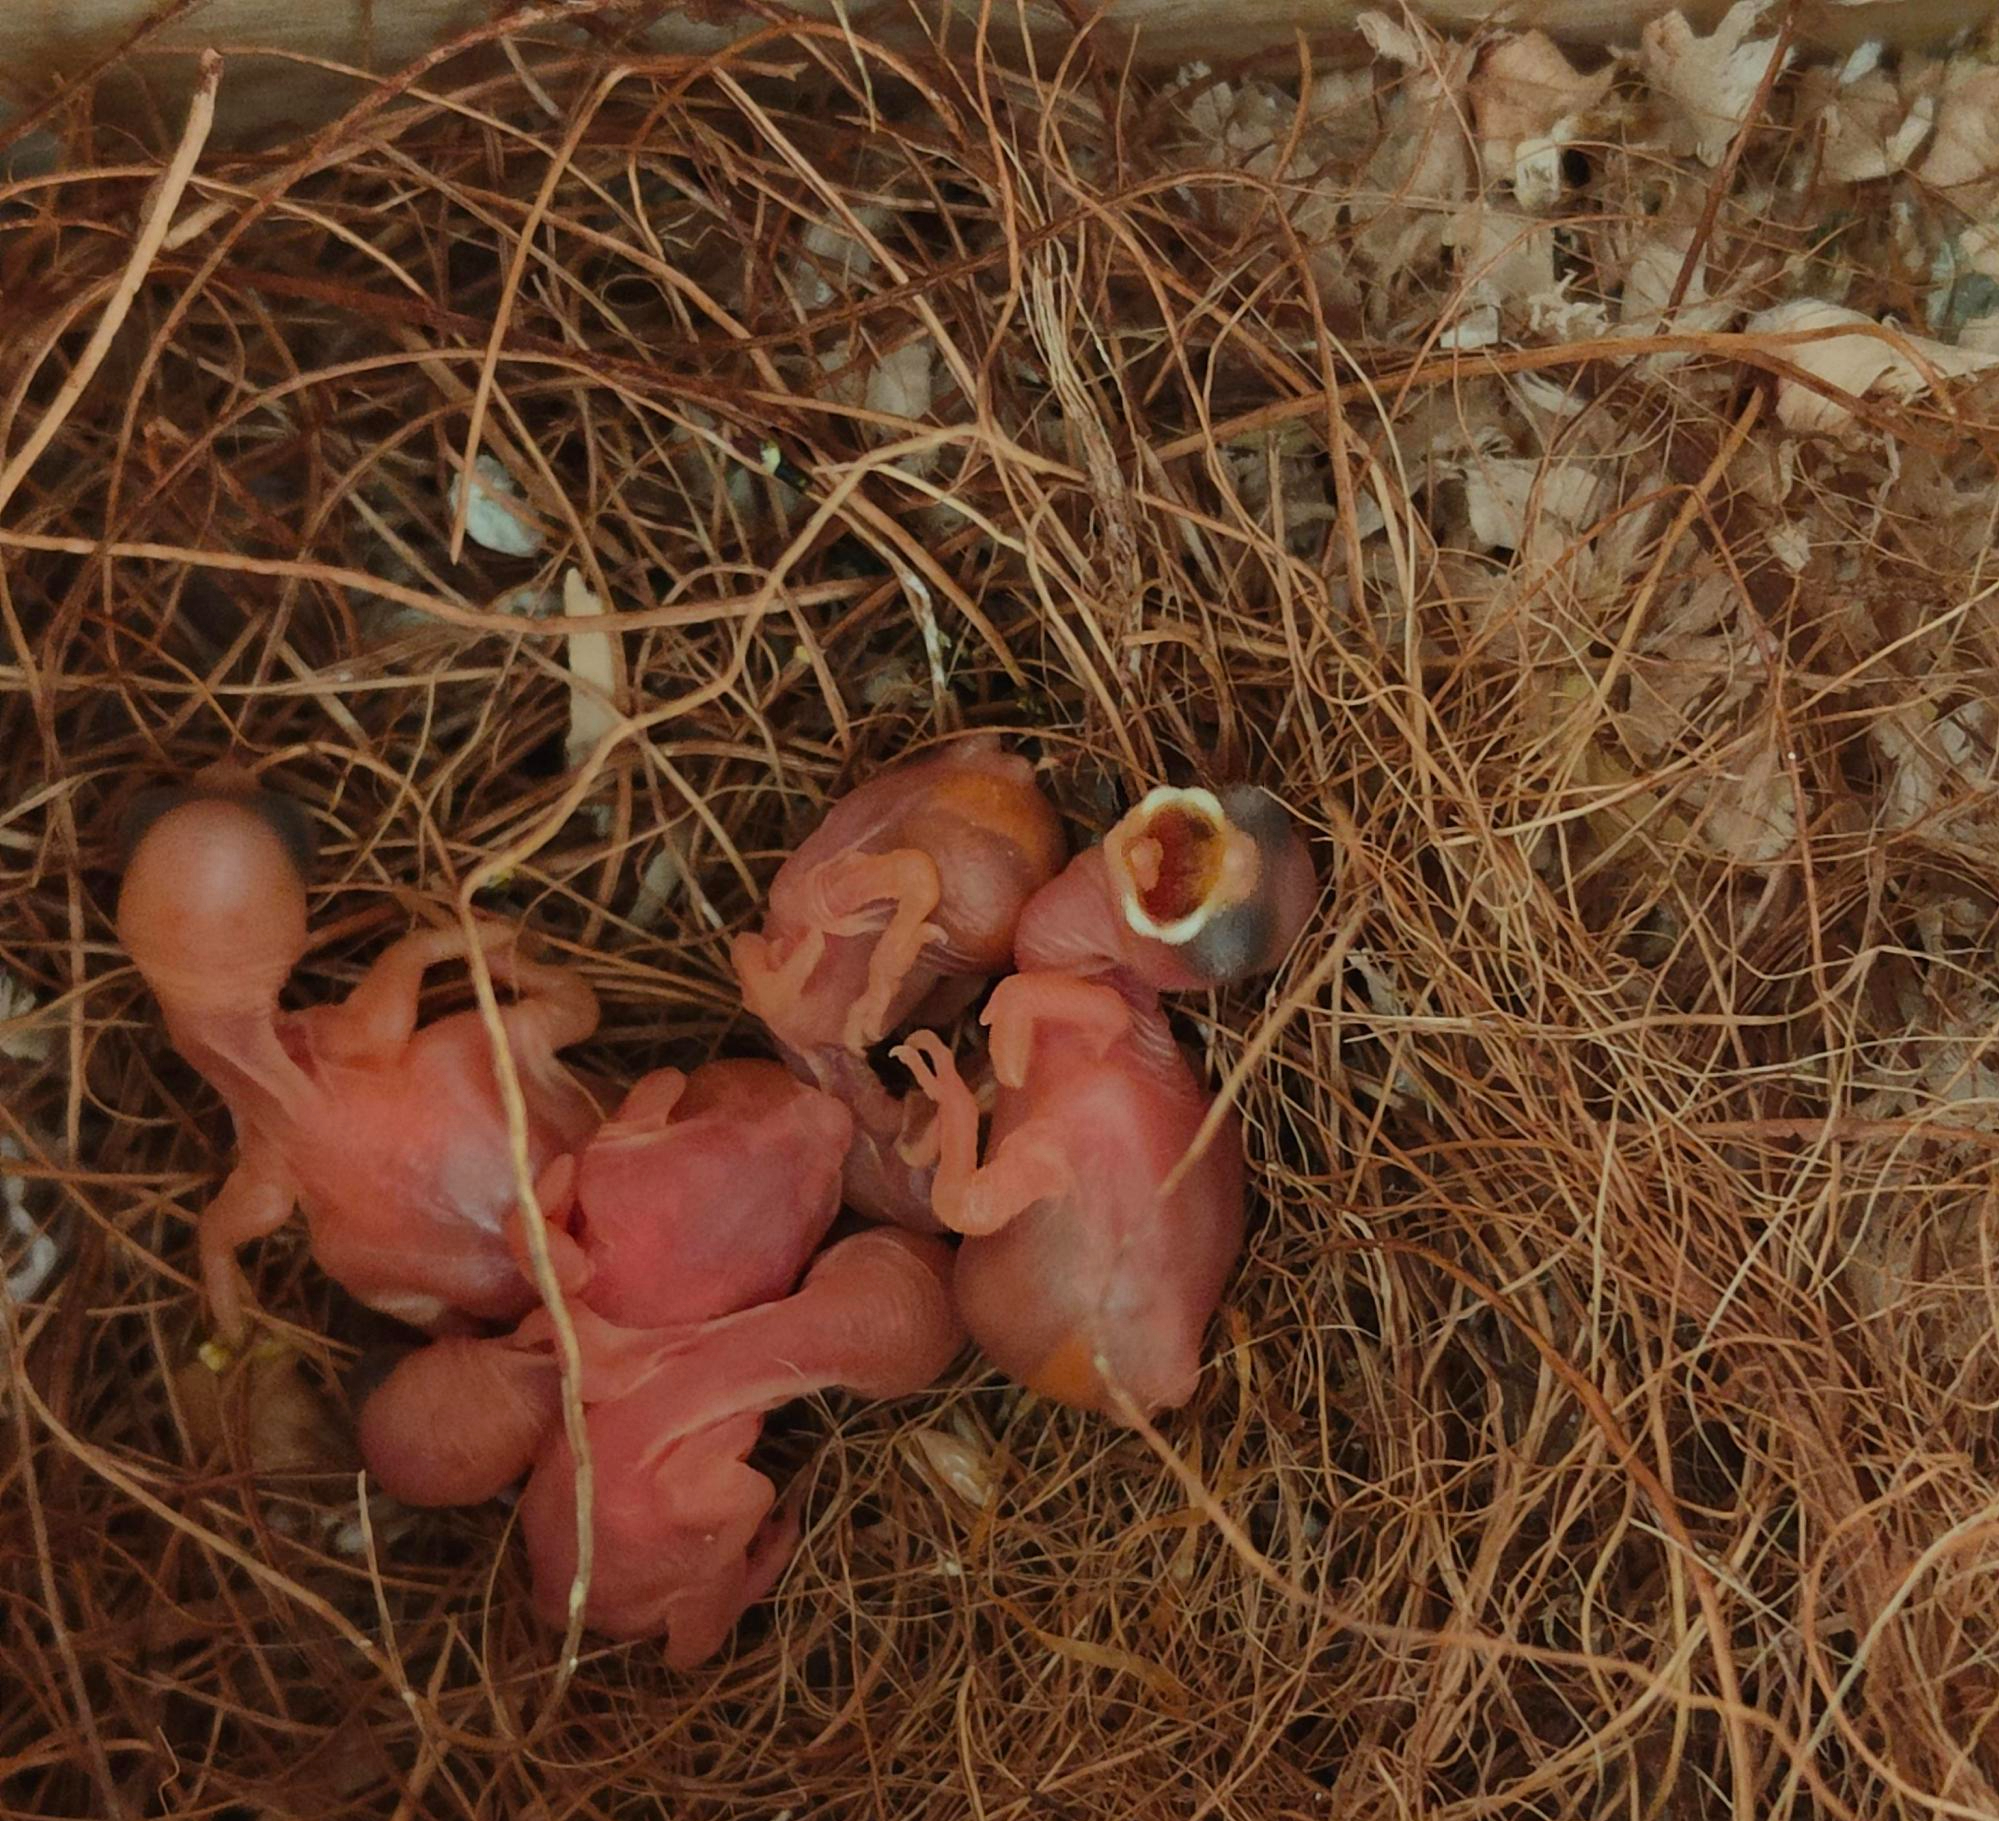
[[1900, 364], [956, 1465], [1528, 102], [496, 519], [1711, 80]]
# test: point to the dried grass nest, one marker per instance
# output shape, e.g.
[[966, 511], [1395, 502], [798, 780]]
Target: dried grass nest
[[1504, 461]]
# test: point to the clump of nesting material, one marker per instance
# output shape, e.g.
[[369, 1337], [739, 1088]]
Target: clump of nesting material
[[1567, 481]]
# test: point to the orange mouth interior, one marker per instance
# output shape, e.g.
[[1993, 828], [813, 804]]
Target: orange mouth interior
[[1175, 864]]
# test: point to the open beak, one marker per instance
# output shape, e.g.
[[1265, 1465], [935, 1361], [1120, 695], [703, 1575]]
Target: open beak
[[1178, 862]]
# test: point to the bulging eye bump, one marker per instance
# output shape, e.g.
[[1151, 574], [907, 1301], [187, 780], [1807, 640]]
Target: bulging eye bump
[[1235, 943], [290, 823], [223, 782], [137, 818], [1256, 812]]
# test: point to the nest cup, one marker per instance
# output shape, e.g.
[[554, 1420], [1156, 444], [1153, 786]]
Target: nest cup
[[1565, 479]]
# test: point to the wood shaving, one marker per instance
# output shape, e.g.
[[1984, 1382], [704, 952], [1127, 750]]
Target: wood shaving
[[29, 1248], [1897, 363], [955, 1464], [1748, 805], [1528, 102], [1940, 765], [1962, 164], [23, 1037], [1649, 279], [1423, 165], [1513, 500], [1709, 81], [1871, 125], [593, 671], [497, 519]]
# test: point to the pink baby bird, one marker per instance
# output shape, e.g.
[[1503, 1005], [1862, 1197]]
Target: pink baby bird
[[685, 1534], [898, 907], [391, 1137], [1098, 1237], [702, 1195]]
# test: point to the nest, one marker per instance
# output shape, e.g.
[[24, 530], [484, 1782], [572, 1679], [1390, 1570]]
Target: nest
[[565, 483]]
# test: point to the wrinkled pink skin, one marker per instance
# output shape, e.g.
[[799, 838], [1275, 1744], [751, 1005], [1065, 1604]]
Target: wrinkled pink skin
[[685, 1533], [701, 1195], [391, 1138], [898, 907], [1076, 1266], [688, 1536], [685, 1539], [1098, 1243]]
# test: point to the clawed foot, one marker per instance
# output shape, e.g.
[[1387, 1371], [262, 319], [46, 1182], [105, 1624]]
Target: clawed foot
[[893, 893], [380, 1015], [968, 1197]]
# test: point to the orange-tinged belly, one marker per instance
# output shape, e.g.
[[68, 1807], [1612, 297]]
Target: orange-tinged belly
[[1068, 1375]]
